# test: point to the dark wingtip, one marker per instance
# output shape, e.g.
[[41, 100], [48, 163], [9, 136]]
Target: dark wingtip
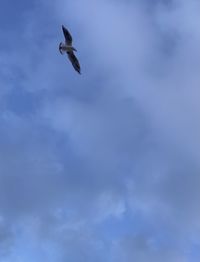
[[78, 72]]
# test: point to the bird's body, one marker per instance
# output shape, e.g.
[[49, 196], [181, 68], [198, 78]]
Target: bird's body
[[68, 48]]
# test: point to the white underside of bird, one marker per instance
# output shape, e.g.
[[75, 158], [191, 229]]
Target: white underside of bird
[[64, 48]]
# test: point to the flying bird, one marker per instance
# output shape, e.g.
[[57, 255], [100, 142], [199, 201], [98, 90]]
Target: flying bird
[[69, 49]]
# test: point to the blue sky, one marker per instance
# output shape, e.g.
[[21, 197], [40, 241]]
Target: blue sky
[[102, 166]]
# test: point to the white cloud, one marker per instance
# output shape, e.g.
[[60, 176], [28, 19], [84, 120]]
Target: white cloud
[[119, 141]]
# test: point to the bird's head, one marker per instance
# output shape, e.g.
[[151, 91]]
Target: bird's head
[[60, 48]]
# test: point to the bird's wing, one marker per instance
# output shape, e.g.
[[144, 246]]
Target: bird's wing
[[67, 35], [74, 61]]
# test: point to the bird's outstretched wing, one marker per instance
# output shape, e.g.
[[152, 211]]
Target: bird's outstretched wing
[[67, 35], [74, 61]]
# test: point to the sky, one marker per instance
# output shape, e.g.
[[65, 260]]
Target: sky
[[102, 166]]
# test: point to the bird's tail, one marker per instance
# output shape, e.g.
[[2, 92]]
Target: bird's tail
[[74, 49]]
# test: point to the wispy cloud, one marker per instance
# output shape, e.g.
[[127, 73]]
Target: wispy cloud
[[102, 166]]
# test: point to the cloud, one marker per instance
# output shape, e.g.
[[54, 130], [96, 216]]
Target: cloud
[[143, 249], [104, 166]]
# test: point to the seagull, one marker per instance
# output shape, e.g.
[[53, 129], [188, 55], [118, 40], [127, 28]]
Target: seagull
[[68, 48]]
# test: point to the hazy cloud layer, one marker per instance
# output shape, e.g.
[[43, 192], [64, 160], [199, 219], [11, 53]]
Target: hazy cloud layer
[[102, 166]]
